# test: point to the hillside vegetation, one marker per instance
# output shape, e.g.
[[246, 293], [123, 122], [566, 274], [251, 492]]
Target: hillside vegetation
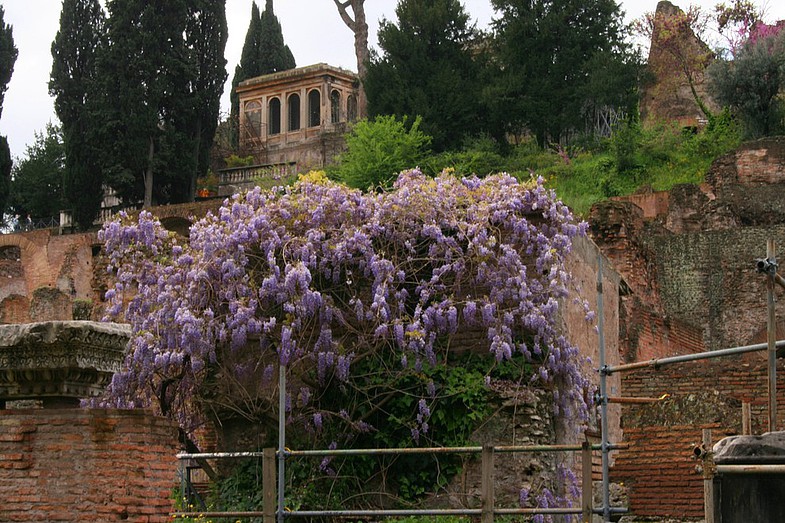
[[657, 156]]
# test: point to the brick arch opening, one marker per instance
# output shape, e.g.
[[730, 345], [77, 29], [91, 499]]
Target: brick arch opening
[[33, 260]]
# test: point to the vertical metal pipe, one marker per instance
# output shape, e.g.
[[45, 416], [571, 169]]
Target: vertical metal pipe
[[281, 441], [708, 481], [772, 335], [606, 487]]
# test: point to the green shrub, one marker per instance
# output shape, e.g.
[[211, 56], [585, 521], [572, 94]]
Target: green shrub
[[379, 149], [239, 161]]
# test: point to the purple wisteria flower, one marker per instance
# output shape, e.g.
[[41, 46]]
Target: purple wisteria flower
[[318, 277]]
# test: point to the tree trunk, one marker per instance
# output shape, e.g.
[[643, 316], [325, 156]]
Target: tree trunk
[[358, 25], [148, 175]]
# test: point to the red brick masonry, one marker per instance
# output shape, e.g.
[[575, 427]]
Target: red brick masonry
[[86, 465]]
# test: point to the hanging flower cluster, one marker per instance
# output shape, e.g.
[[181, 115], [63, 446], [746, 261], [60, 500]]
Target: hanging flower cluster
[[316, 276]]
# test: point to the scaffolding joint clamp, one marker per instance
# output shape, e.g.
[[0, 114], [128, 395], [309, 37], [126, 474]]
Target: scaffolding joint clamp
[[766, 265], [706, 467]]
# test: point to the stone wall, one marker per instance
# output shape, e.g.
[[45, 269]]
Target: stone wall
[[86, 465], [688, 255], [708, 280]]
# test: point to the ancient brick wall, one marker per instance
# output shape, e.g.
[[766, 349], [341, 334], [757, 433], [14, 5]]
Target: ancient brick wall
[[45, 276], [659, 472], [45, 273], [657, 468], [86, 465]]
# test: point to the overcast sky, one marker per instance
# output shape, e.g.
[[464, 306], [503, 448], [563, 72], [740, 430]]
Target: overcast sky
[[312, 29]]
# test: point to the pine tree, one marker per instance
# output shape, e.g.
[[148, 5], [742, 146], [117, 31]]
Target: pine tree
[[264, 52], [8, 54], [73, 83], [427, 69], [548, 52]]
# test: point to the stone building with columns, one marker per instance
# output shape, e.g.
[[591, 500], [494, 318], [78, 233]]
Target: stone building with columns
[[297, 116]]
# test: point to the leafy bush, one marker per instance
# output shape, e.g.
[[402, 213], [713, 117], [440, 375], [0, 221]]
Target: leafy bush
[[379, 149]]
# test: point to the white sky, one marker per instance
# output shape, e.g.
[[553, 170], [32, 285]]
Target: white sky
[[312, 29]]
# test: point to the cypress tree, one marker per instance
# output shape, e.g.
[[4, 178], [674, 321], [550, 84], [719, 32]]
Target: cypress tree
[[206, 35], [274, 54], [264, 52], [8, 54], [147, 71], [73, 83]]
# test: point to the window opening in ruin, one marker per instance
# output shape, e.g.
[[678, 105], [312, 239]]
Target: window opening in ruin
[[253, 118], [351, 108], [274, 120], [314, 108], [294, 112], [11, 262], [335, 106]]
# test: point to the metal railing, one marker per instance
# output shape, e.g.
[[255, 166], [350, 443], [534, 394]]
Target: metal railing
[[273, 511]]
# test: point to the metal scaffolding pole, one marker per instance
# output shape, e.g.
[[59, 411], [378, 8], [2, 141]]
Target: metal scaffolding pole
[[656, 363], [771, 334], [603, 399]]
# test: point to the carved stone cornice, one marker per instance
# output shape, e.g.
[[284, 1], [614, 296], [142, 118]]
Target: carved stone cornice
[[59, 359]]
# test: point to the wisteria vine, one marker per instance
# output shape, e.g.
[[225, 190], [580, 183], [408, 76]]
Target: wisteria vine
[[317, 276]]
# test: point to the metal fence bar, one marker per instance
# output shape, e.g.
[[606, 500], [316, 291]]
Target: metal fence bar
[[413, 450], [390, 513], [747, 469], [487, 512]]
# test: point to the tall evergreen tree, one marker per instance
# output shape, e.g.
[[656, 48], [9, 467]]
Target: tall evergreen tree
[[73, 83], [427, 69], [206, 34], [264, 52], [8, 54], [147, 71], [548, 52]]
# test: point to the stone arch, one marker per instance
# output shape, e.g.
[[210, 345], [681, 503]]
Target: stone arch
[[335, 106], [253, 118], [274, 115], [351, 108]]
